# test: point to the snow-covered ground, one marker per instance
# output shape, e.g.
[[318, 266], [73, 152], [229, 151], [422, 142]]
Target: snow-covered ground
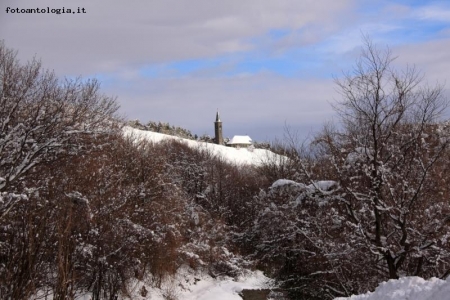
[[187, 284], [408, 288], [190, 285], [241, 156]]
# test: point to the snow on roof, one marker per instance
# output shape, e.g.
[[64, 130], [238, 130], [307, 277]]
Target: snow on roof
[[240, 139]]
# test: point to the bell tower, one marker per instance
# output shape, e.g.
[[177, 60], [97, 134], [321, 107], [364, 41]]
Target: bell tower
[[218, 130]]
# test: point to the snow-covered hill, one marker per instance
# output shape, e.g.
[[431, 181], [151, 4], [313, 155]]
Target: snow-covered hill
[[241, 156]]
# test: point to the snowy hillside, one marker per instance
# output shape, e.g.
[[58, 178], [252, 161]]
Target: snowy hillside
[[241, 156]]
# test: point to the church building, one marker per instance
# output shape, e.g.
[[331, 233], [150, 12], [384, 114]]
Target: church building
[[238, 141]]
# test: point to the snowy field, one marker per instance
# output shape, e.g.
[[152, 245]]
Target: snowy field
[[408, 288], [241, 156]]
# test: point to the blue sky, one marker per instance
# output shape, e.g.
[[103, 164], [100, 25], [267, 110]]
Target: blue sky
[[422, 21], [262, 63]]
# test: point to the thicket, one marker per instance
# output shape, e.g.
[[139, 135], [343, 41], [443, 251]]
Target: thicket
[[384, 211], [85, 209]]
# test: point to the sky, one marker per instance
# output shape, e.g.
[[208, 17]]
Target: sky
[[264, 64]]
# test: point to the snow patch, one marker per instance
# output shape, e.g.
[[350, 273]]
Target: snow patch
[[284, 182], [408, 288], [323, 185]]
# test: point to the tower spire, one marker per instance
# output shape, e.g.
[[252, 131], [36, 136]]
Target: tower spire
[[217, 116], [218, 130]]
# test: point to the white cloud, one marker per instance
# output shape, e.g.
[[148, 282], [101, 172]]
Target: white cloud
[[433, 12], [432, 57], [115, 33]]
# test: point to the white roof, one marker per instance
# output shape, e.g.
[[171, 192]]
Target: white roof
[[240, 139]]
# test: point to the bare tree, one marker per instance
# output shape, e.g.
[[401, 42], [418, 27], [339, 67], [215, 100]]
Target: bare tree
[[388, 214], [387, 157], [42, 117]]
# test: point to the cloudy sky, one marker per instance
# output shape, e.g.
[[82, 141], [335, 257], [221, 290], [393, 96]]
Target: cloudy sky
[[262, 63]]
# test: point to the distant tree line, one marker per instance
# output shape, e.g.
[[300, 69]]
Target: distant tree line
[[166, 128]]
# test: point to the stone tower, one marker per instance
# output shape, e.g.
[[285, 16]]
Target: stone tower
[[218, 130]]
